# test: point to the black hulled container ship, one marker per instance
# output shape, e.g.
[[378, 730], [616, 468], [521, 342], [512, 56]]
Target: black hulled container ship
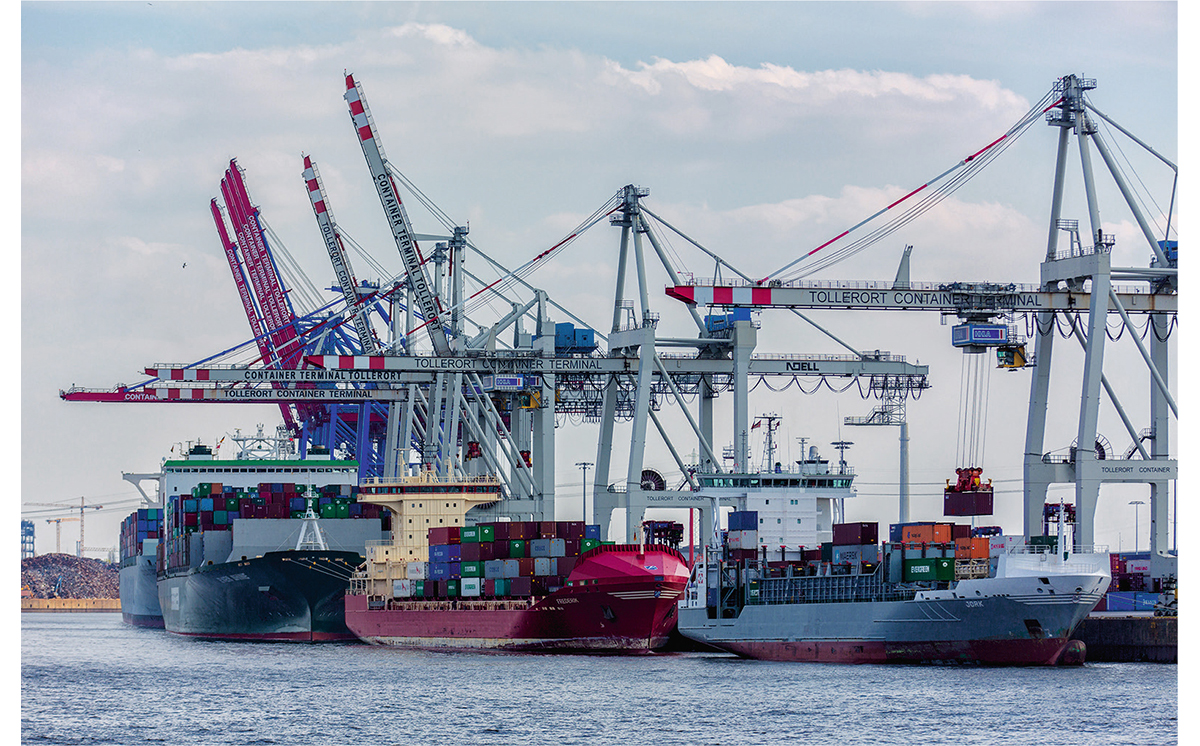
[[247, 557]]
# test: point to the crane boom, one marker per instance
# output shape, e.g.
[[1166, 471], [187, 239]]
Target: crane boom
[[337, 256], [397, 216], [244, 293]]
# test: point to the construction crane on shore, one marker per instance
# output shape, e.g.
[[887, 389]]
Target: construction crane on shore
[[59, 521]]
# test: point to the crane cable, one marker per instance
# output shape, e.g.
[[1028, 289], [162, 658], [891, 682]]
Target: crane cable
[[974, 387], [966, 169]]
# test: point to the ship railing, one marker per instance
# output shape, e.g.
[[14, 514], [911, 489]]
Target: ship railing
[[830, 589]]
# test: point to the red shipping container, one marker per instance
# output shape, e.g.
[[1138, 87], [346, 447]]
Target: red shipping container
[[501, 530], [855, 534], [470, 552], [548, 530], [520, 586], [960, 531], [572, 530], [487, 550], [442, 535], [489, 587], [500, 549], [572, 547], [529, 530], [190, 519], [565, 565], [525, 566]]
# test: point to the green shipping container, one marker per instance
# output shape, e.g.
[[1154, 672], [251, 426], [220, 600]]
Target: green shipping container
[[516, 548], [502, 586], [419, 588], [341, 510], [588, 544], [469, 535], [471, 569], [487, 533], [452, 587], [329, 511], [220, 517], [752, 592], [298, 513], [933, 568], [231, 503]]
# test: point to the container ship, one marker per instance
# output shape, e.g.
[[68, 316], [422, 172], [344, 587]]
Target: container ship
[[237, 557], [935, 593], [509, 585], [138, 578]]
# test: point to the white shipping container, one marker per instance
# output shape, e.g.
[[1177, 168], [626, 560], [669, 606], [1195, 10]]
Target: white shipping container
[[998, 545], [742, 540], [471, 586], [401, 588], [558, 547], [416, 571]]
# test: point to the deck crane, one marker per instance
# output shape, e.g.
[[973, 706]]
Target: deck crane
[[397, 216]]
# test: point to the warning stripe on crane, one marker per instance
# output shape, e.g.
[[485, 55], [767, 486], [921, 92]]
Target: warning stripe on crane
[[707, 296]]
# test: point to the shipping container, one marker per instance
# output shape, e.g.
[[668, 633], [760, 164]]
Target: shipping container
[[543, 566], [587, 544], [471, 587], [855, 554], [416, 571], [564, 565], [855, 534], [469, 534], [742, 539], [937, 568], [592, 531], [516, 548], [744, 520], [471, 569], [493, 569], [539, 548], [520, 587], [401, 588], [500, 531], [512, 568], [558, 547]]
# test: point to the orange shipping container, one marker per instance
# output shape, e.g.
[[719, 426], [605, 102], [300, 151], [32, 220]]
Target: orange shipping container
[[917, 534], [981, 547], [941, 533], [963, 549]]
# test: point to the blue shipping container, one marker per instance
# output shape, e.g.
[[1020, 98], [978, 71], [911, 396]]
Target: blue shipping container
[[592, 531]]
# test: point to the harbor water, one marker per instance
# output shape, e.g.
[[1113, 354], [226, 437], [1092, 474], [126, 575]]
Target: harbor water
[[91, 679]]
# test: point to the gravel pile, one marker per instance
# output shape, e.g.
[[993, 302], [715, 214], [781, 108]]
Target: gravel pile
[[82, 577]]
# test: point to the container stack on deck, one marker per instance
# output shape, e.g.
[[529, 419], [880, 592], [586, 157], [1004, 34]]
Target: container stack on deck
[[497, 560], [142, 524], [930, 551], [212, 506]]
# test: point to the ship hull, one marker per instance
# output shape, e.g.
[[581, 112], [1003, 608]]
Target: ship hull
[[616, 601], [293, 596], [138, 587], [1014, 625], [567, 620]]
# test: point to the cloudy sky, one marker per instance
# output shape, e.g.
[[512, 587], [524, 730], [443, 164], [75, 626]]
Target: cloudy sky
[[761, 130]]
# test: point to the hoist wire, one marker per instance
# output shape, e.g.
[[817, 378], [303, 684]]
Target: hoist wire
[[1128, 169], [966, 169]]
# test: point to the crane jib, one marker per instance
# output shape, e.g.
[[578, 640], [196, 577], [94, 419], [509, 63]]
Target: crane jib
[[408, 249]]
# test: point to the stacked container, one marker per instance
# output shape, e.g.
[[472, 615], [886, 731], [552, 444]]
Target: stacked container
[[503, 559], [142, 524]]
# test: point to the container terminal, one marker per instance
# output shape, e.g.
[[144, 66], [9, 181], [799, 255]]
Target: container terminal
[[416, 376]]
